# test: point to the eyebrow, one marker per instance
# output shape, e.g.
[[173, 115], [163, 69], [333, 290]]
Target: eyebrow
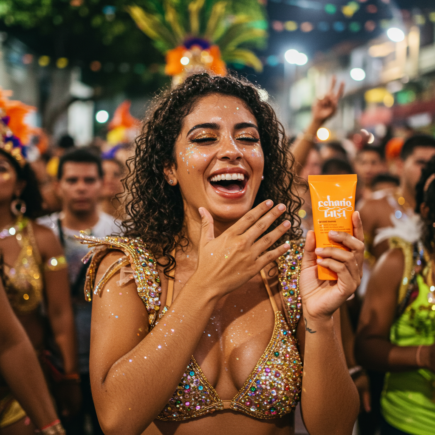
[[215, 126]]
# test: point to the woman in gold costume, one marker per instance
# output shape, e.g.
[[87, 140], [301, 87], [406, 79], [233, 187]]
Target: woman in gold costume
[[33, 264], [204, 311]]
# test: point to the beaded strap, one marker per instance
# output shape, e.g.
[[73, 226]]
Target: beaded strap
[[289, 266], [141, 261]]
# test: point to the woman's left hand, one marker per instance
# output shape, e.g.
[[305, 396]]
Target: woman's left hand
[[321, 299]]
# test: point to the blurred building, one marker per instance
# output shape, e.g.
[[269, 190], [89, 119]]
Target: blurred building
[[387, 83]]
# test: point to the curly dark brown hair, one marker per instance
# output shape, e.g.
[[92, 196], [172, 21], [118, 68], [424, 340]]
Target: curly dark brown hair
[[155, 210], [427, 196]]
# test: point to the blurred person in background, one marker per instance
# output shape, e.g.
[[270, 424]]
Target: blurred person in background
[[33, 261], [24, 393], [385, 208], [385, 181], [396, 332], [79, 185], [64, 144], [114, 171], [332, 150], [322, 110], [369, 162]]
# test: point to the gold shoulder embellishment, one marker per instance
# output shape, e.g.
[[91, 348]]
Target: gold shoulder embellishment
[[141, 260]]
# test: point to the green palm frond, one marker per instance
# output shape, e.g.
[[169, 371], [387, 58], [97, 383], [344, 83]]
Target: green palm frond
[[152, 26], [233, 25], [194, 13], [248, 36], [244, 57], [215, 21], [172, 18], [239, 26]]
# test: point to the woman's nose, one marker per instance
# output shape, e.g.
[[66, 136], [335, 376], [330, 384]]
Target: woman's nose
[[229, 149]]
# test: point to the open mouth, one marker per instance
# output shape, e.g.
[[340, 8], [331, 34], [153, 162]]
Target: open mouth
[[229, 183]]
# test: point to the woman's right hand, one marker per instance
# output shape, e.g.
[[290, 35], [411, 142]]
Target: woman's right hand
[[238, 254]]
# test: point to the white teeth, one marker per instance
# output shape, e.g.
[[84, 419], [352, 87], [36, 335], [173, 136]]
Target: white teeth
[[221, 177]]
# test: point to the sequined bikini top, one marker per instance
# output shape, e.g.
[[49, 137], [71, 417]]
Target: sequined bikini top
[[24, 284], [273, 388]]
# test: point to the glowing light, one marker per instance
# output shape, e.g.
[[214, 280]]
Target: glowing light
[[301, 59], [396, 34], [44, 61], [323, 134], [291, 26], [293, 57], [62, 62], [184, 60], [102, 116], [290, 55], [95, 65], [306, 27], [27, 58], [12, 231], [371, 138], [388, 100], [358, 74], [53, 262], [330, 9]]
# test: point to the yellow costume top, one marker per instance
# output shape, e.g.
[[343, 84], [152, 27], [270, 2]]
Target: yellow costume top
[[273, 388]]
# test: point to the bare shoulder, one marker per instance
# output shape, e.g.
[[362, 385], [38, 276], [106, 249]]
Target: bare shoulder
[[389, 264], [48, 243], [371, 204]]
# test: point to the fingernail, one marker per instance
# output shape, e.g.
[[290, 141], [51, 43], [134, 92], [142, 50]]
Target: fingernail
[[287, 245], [201, 212], [333, 233], [269, 203], [319, 260], [286, 224], [318, 250], [281, 207]]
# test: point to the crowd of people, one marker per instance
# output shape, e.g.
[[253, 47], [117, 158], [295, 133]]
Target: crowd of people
[[380, 343]]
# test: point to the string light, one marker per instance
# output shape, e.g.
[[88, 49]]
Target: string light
[[43, 61], [323, 134]]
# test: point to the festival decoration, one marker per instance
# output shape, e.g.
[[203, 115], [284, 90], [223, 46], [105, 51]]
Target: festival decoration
[[198, 35], [15, 133], [123, 126]]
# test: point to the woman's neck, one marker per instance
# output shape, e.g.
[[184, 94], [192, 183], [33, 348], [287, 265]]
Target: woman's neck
[[6, 216], [193, 225]]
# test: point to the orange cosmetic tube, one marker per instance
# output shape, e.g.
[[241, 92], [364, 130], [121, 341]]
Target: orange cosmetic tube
[[333, 202]]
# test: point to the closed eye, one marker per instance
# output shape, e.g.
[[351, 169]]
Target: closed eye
[[248, 139], [204, 139]]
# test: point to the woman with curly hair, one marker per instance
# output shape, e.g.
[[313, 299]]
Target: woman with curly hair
[[198, 327], [396, 333]]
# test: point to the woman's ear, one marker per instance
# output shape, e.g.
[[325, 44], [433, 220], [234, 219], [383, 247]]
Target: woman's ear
[[424, 210], [170, 174]]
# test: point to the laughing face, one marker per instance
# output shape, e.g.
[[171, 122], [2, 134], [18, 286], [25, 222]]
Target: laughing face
[[219, 159]]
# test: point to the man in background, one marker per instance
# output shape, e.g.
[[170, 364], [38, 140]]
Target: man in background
[[376, 211], [369, 163], [79, 184]]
